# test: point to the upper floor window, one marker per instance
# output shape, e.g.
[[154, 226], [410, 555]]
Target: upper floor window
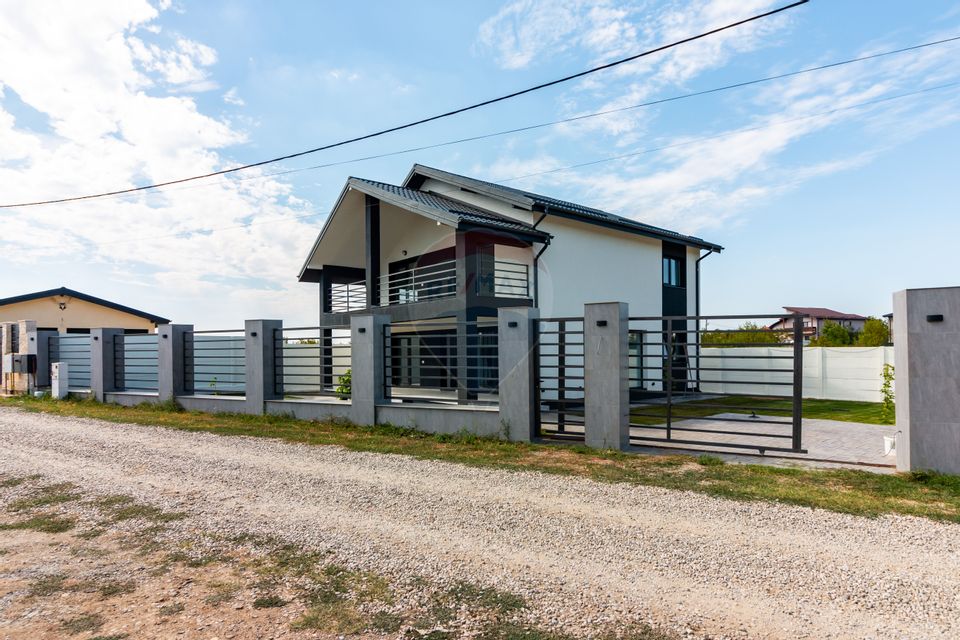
[[673, 275]]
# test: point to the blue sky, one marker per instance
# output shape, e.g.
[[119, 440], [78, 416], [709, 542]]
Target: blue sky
[[835, 210]]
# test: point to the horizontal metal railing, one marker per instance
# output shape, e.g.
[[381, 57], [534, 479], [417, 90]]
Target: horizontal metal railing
[[686, 391], [214, 362], [73, 349], [313, 361], [422, 362], [508, 279], [418, 284], [136, 360]]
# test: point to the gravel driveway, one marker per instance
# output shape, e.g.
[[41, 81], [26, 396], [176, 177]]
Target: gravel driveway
[[583, 552]]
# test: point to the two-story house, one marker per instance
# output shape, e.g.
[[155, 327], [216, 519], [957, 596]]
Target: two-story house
[[446, 247]]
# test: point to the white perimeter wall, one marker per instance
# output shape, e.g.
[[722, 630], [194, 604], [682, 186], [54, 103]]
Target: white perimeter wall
[[829, 373]]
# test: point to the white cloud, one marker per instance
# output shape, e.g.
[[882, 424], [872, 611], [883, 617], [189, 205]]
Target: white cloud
[[87, 69], [233, 97], [697, 184]]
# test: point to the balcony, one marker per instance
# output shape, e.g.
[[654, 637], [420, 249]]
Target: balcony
[[495, 278]]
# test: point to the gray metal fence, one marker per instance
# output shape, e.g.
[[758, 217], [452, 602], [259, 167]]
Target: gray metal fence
[[422, 363], [214, 362], [560, 378], [673, 362], [312, 361], [136, 362], [73, 349]]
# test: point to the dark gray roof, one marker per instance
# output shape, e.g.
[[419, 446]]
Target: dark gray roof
[[63, 291], [526, 199], [452, 211]]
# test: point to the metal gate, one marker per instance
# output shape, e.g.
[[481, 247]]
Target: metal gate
[[715, 382], [560, 378]]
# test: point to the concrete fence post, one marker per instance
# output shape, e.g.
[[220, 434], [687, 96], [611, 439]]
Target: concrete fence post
[[606, 375], [171, 360], [261, 370], [927, 378], [366, 365], [516, 353], [102, 361]]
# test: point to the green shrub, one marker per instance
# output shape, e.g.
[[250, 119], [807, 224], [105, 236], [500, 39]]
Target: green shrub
[[887, 408], [344, 385]]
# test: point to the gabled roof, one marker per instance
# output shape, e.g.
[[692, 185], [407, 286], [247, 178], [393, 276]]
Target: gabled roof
[[63, 291], [441, 208], [436, 207], [533, 201], [823, 312]]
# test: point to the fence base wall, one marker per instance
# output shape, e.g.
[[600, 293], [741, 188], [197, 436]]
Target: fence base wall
[[212, 404], [480, 421], [130, 398], [309, 410]]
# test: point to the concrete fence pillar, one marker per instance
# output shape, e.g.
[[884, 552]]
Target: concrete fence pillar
[[366, 364], [102, 361], [171, 360], [927, 378], [606, 375], [261, 363], [516, 353]]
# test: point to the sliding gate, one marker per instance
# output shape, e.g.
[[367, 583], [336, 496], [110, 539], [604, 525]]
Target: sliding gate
[[717, 382]]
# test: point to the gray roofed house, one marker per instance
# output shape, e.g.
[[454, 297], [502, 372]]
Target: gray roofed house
[[443, 245]]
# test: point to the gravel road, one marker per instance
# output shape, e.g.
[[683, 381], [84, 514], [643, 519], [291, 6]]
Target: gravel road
[[584, 553]]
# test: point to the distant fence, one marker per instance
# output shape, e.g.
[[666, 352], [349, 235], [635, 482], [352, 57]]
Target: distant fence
[[829, 373]]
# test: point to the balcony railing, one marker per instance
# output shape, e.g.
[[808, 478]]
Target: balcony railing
[[348, 297], [500, 278], [509, 279], [429, 282]]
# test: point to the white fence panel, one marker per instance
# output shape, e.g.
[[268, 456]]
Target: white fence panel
[[829, 373]]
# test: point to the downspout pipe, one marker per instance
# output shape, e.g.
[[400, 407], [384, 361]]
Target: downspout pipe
[[536, 260], [697, 303]]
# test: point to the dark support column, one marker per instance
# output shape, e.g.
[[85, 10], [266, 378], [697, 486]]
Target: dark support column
[[324, 293], [326, 358], [466, 316], [373, 251]]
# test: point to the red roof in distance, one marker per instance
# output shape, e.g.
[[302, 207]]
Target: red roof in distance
[[823, 312]]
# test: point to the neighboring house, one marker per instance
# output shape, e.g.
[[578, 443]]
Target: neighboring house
[[68, 311], [889, 318], [816, 317], [446, 246]]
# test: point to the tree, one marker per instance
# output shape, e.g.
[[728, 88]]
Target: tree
[[751, 333], [833, 335], [876, 333]]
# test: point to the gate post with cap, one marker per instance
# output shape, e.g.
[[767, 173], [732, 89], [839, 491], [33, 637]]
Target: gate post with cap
[[606, 375]]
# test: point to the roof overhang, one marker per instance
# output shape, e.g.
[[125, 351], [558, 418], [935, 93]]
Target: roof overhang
[[419, 173], [64, 291], [452, 220]]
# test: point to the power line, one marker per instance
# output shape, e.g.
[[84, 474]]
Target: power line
[[727, 134], [624, 156], [577, 118], [414, 123]]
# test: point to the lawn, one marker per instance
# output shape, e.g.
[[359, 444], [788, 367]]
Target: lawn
[[923, 494], [843, 410]]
